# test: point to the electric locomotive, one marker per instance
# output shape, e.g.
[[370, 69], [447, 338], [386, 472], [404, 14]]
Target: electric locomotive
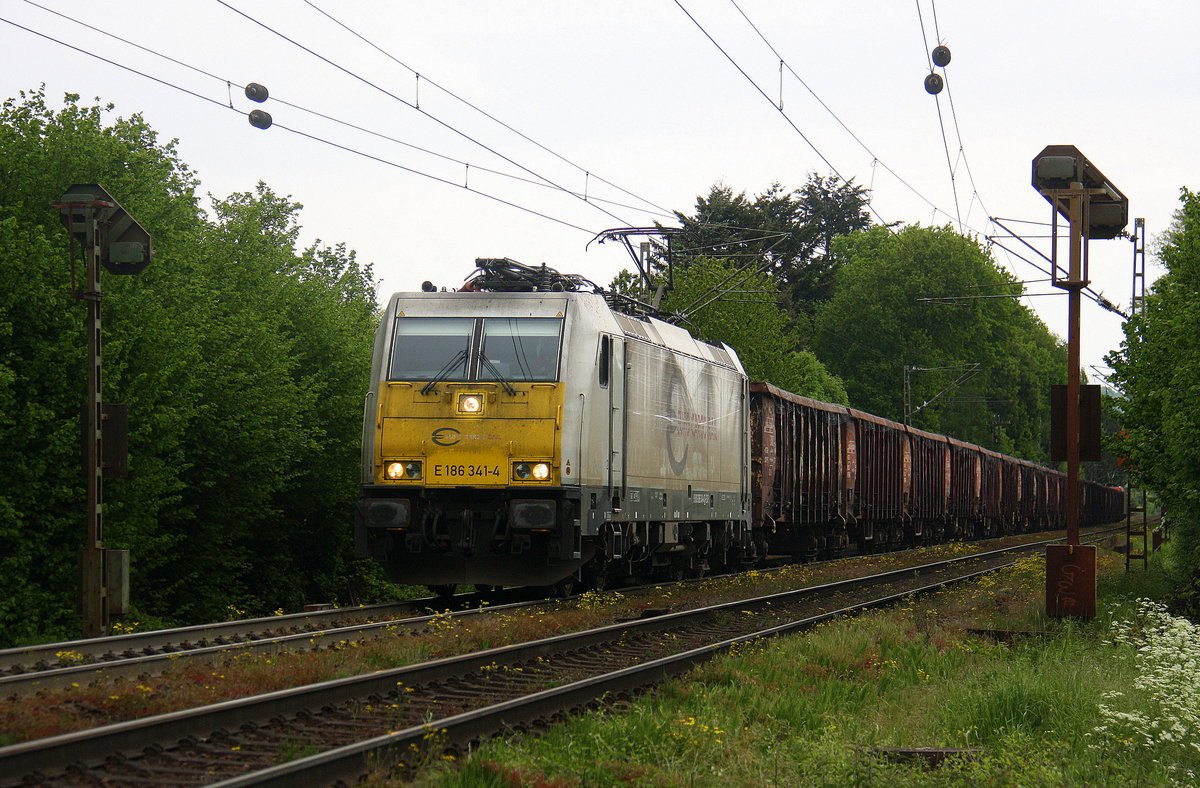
[[528, 434]]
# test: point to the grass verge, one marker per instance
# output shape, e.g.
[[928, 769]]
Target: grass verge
[[1071, 705]]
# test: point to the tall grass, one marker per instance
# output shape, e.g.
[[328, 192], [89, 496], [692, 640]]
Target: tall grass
[[814, 709]]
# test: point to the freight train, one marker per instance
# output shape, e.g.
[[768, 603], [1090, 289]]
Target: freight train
[[523, 431]]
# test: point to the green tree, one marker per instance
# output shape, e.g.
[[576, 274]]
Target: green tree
[[1158, 370], [42, 344], [243, 362], [790, 232], [978, 368]]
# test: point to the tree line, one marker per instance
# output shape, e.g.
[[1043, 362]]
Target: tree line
[[243, 363], [1157, 369]]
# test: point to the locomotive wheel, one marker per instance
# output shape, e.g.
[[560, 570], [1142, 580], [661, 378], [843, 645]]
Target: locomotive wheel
[[595, 575]]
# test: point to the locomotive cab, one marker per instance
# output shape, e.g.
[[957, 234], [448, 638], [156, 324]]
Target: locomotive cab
[[463, 479]]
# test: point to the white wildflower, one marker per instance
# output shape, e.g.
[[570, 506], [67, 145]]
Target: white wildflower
[[1167, 655]]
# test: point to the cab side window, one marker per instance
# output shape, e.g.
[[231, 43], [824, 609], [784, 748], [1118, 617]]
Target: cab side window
[[605, 360]]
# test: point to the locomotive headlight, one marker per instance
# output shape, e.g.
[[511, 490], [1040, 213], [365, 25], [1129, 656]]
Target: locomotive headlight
[[535, 471], [470, 403], [402, 470]]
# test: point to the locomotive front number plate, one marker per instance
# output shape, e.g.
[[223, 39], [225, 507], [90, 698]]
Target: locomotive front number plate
[[465, 471]]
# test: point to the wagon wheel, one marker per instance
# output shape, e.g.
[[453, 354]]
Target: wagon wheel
[[442, 591]]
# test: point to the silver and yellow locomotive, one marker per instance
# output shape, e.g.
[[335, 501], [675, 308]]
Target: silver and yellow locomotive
[[535, 436]]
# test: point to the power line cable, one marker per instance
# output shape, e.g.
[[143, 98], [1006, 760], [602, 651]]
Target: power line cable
[[954, 116], [941, 123], [313, 137], [316, 113], [875, 159], [347, 124], [371, 157], [481, 111], [411, 105], [763, 93]]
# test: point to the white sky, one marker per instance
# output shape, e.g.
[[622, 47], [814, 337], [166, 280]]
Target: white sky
[[634, 93]]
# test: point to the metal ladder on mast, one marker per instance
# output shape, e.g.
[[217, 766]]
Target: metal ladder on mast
[[1137, 304]]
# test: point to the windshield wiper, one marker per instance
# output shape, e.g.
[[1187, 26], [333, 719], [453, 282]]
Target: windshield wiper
[[444, 372], [512, 392]]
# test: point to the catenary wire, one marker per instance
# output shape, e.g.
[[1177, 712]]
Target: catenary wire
[[481, 111], [785, 116], [941, 122], [313, 137], [332, 119], [874, 158], [411, 105], [954, 116]]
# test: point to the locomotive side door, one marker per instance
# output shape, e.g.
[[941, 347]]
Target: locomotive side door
[[612, 354]]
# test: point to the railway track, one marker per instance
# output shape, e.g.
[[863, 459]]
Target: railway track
[[397, 718], [30, 669]]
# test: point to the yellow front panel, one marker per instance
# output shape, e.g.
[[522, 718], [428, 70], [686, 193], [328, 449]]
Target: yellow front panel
[[472, 449]]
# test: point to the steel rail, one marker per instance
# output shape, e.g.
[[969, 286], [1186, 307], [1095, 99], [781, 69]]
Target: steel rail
[[97, 744], [347, 764], [98, 651], [113, 646], [16, 684]]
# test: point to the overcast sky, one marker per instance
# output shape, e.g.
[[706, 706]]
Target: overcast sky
[[640, 111]]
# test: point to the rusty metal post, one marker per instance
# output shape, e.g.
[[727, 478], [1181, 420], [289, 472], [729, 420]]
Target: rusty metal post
[[112, 240], [93, 598], [1078, 191], [1074, 283], [1071, 568]]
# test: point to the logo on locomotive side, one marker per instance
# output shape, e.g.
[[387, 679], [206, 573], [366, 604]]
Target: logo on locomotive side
[[678, 403], [446, 436]]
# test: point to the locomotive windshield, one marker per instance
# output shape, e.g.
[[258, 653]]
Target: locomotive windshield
[[520, 348], [429, 347], [468, 349]]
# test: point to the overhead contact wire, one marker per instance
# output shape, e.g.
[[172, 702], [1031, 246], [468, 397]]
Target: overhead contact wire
[[941, 123], [313, 137], [875, 159], [771, 101], [409, 104], [309, 110], [480, 110]]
